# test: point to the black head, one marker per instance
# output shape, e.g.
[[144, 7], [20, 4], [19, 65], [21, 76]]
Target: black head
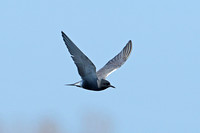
[[105, 84]]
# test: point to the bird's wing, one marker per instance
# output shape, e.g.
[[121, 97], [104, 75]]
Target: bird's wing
[[85, 66], [115, 62]]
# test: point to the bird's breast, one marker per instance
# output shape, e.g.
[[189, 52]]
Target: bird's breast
[[90, 84]]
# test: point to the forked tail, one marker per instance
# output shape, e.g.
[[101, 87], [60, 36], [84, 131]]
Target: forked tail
[[77, 84]]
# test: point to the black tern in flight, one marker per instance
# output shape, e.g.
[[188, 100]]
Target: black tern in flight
[[92, 80]]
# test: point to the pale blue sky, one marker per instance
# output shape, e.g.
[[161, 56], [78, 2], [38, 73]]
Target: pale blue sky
[[157, 89]]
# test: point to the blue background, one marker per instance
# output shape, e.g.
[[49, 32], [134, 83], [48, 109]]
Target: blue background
[[157, 89]]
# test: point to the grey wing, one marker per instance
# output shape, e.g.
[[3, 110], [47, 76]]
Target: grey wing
[[85, 66], [116, 62]]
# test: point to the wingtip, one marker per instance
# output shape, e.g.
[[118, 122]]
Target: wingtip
[[62, 32], [130, 41], [127, 49], [64, 35]]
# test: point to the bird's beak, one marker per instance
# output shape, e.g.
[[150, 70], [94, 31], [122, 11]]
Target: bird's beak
[[111, 86]]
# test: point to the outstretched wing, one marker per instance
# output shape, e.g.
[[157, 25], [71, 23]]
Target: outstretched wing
[[85, 67], [116, 62]]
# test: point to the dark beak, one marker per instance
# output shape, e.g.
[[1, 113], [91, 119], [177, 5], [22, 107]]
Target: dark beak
[[111, 86]]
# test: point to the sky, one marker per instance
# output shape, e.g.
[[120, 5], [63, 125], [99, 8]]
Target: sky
[[157, 89]]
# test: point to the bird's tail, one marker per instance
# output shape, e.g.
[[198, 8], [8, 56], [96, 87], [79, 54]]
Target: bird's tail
[[77, 84]]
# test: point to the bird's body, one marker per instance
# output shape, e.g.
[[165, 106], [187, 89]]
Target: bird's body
[[90, 83], [91, 79], [95, 84]]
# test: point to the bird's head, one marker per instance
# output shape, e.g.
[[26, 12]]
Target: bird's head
[[105, 84]]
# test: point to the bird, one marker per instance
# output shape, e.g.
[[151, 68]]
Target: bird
[[92, 80]]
